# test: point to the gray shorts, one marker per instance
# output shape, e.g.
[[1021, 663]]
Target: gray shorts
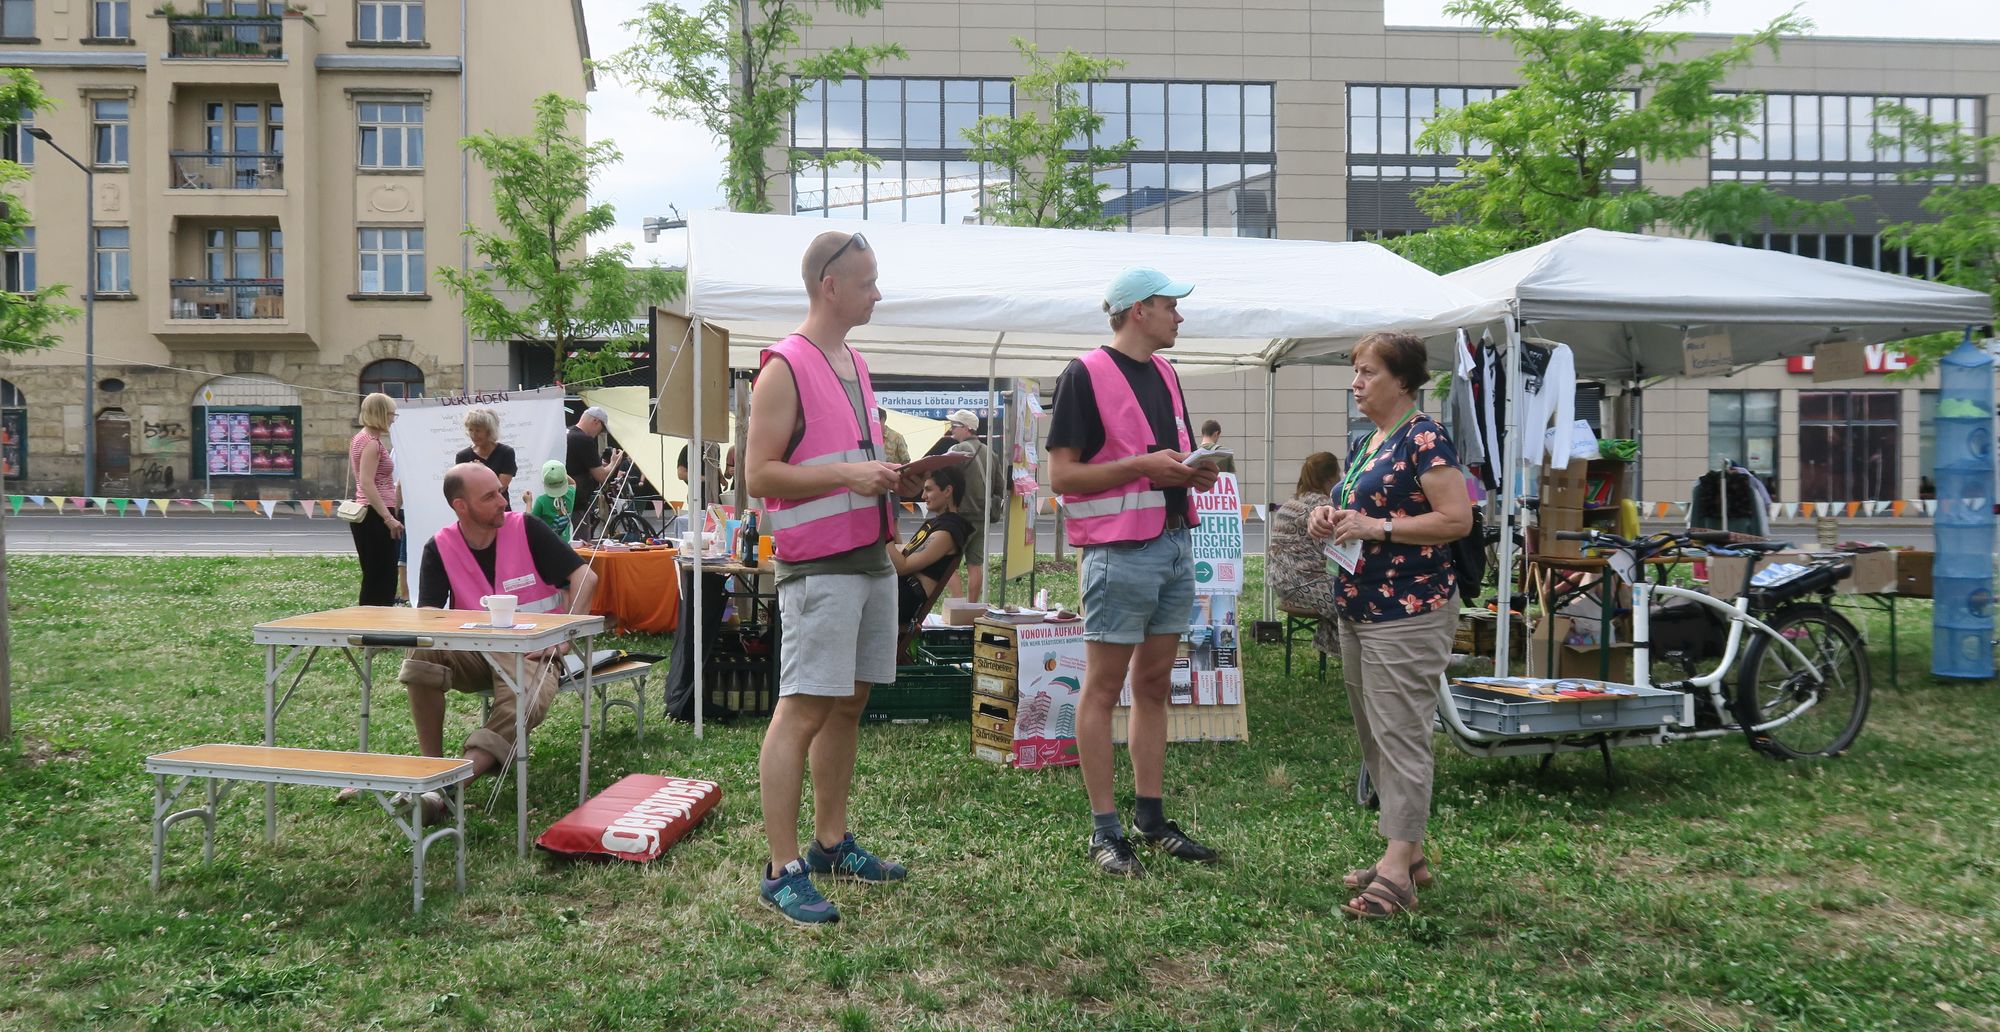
[[839, 628], [1132, 592]]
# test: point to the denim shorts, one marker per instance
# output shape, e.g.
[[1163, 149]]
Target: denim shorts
[[1135, 590]]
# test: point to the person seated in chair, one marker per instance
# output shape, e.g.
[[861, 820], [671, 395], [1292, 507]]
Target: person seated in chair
[[924, 563], [489, 551]]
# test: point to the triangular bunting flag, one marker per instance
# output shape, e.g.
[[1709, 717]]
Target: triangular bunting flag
[[15, 501], [206, 503], [161, 504], [271, 509], [255, 505], [1930, 507], [142, 504], [120, 504], [227, 503], [306, 508], [1896, 507], [60, 501], [1806, 509], [326, 506], [658, 507], [41, 501], [1853, 509], [100, 503]]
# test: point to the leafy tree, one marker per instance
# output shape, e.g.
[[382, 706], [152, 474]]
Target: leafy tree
[[743, 81], [1048, 152], [26, 320], [1964, 239], [537, 281], [1594, 92]]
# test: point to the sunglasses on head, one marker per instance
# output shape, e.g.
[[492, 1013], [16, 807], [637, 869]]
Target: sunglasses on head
[[857, 241]]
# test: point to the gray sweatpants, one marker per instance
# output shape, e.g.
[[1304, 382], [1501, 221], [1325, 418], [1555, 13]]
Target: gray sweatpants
[[1392, 669]]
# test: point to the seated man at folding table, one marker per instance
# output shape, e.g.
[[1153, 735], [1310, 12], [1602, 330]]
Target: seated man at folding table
[[489, 551]]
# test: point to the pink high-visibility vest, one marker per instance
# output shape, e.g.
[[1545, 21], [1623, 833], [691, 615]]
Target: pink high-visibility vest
[[513, 569], [1134, 510], [804, 529]]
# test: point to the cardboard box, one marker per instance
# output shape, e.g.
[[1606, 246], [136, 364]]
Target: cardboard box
[[1577, 660], [1904, 571], [1551, 521], [1565, 487], [960, 613]]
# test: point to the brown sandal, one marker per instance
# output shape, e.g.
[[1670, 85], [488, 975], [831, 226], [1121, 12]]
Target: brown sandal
[[1381, 899], [1420, 875]]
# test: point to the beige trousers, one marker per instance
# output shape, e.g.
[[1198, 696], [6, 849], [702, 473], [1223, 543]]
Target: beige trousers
[[441, 670], [1392, 669]]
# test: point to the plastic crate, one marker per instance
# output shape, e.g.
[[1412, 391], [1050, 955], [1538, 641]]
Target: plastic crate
[[1510, 715], [922, 694], [944, 646]]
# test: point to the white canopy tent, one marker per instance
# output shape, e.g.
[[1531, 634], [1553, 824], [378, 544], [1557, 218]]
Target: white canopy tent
[[1624, 303], [1024, 302]]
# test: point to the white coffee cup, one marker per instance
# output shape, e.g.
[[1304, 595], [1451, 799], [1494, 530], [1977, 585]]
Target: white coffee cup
[[500, 608]]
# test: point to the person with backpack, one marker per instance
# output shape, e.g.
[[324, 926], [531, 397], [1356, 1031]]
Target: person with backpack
[[1403, 499]]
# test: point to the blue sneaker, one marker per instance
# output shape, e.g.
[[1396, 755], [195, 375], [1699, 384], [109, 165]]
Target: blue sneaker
[[849, 860], [792, 894]]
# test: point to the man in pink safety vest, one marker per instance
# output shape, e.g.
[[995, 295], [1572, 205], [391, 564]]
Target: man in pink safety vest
[[1117, 440], [489, 551], [814, 453]]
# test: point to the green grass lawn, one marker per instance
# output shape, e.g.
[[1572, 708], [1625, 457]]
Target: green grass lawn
[[1713, 889]]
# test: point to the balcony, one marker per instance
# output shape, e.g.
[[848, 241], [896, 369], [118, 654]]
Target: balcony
[[236, 38], [227, 170], [228, 299]]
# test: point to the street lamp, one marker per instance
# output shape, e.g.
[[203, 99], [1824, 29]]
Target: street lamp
[[89, 310], [653, 225]]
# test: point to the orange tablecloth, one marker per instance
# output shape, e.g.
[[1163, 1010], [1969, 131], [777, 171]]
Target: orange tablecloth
[[640, 591]]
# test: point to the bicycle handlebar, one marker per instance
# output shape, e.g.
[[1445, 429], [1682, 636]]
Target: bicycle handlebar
[[1660, 542]]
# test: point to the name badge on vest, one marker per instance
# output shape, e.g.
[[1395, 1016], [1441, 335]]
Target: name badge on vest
[[526, 580]]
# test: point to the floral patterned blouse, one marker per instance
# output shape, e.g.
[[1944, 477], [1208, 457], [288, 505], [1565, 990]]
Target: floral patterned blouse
[[1394, 580]]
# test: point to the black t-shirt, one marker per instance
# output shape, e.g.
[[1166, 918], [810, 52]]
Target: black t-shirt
[[582, 459], [1076, 424], [910, 592], [501, 462], [554, 562]]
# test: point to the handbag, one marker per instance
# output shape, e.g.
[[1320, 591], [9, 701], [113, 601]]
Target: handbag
[[1468, 559], [349, 509]]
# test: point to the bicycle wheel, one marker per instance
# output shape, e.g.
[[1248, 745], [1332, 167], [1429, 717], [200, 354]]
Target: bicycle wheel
[[1821, 706], [629, 527]]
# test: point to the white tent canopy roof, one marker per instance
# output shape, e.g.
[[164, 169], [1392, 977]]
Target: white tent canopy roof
[[1621, 300], [949, 292]]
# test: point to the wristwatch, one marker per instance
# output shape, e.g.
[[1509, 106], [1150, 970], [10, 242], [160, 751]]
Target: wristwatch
[[1388, 527]]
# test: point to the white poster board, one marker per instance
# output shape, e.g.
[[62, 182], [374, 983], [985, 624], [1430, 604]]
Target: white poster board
[[428, 435]]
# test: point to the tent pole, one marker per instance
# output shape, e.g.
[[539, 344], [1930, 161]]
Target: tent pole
[[698, 507], [986, 502], [1270, 475], [1509, 490]]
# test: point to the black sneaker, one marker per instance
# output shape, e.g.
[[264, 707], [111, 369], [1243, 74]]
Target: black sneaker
[[1175, 843], [1115, 856]]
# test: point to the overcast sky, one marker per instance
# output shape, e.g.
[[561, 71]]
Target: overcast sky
[[674, 162]]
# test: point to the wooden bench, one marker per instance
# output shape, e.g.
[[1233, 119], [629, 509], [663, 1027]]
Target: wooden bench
[[220, 767]]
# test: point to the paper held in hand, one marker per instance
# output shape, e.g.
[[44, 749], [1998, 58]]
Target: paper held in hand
[[1207, 457], [1347, 556]]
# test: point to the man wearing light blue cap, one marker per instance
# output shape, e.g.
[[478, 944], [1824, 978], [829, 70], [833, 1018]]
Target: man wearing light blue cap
[[1117, 441]]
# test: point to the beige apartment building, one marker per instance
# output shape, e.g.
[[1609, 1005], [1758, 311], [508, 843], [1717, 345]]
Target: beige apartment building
[[275, 186], [1297, 118]]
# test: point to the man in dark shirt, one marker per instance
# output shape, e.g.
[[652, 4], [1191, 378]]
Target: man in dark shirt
[[588, 466], [475, 497]]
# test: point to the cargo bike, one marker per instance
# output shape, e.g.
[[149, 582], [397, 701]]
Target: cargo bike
[[1776, 663]]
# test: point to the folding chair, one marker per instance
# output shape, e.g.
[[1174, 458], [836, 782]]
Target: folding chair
[[1301, 622], [908, 635]]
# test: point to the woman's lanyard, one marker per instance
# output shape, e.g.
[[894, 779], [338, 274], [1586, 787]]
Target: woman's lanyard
[[1353, 478]]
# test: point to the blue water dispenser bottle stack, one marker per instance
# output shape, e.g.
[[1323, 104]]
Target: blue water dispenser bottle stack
[[1962, 579]]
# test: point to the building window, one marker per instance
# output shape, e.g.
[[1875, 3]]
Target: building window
[[244, 254], [1849, 443], [916, 127], [245, 128], [17, 19], [114, 260], [392, 135], [390, 21], [13, 432], [21, 263], [1829, 138], [15, 143], [392, 261], [111, 19], [1864, 250], [111, 128], [1205, 161], [394, 377], [1743, 428]]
